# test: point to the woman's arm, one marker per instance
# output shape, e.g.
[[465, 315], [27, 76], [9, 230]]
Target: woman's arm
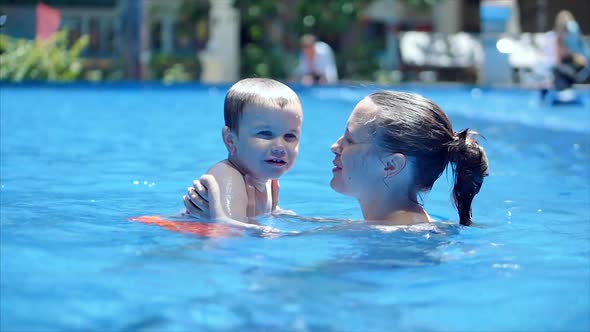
[[204, 201]]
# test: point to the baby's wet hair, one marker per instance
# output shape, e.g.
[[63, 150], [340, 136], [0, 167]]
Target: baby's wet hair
[[415, 126], [255, 91]]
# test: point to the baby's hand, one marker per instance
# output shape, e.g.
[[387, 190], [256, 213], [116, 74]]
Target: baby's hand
[[268, 229], [279, 212], [263, 229]]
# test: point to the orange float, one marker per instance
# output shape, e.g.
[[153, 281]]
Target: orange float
[[190, 227]]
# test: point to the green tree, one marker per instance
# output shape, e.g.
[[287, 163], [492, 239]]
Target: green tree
[[49, 60], [260, 55]]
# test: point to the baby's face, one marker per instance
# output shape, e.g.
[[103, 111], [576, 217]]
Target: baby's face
[[268, 141]]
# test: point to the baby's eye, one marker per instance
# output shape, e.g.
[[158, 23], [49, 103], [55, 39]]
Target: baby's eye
[[290, 137], [264, 133]]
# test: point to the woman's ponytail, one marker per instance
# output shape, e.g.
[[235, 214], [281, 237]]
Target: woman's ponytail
[[470, 166], [415, 126]]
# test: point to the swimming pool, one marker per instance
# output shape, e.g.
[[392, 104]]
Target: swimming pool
[[77, 161]]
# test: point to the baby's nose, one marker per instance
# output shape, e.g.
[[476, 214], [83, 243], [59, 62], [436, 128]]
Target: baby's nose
[[278, 150]]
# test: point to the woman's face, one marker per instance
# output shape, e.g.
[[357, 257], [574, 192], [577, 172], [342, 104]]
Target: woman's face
[[357, 163]]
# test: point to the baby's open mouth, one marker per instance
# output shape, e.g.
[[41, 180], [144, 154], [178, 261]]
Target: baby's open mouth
[[276, 162]]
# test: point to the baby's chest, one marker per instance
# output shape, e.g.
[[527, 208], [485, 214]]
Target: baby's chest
[[263, 203]]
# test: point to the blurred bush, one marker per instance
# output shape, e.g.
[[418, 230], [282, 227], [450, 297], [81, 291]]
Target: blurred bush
[[261, 55], [173, 68], [103, 69], [52, 60], [176, 74]]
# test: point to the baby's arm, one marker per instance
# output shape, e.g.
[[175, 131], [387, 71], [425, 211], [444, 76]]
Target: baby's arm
[[233, 196], [276, 210]]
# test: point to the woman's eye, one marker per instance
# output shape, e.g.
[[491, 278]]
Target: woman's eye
[[290, 137], [348, 140]]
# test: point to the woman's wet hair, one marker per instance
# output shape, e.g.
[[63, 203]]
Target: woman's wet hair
[[255, 91], [415, 126]]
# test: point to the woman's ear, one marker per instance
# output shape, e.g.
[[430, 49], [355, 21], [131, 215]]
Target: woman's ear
[[394, 164], [229, 139]]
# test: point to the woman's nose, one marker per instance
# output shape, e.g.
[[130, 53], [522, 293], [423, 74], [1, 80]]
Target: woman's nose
[[336, 146]]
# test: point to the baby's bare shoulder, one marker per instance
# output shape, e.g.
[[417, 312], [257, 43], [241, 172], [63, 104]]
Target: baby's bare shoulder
[[232, 189], [223, 171]]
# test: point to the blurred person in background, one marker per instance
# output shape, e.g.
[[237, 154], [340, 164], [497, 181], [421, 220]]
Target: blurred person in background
[[566, 50], [316, 62]]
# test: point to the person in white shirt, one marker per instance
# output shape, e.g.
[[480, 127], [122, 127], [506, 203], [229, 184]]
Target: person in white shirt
[[316, 63]]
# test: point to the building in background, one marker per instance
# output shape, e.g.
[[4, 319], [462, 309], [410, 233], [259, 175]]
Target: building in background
[[136, 39], [180, 39], [96, 18]]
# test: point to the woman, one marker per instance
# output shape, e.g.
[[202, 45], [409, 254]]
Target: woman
[[395, 146]]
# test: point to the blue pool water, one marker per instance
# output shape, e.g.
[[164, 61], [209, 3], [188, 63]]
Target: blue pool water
[[77, 161]]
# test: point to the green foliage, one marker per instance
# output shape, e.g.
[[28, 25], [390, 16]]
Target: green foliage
[[359, 63], [257, 61], [331, 18], [194, 10], [260, 56], [191, 12], [172, 68], [421, 5], [52, 60], [176, 74], [96, 70]]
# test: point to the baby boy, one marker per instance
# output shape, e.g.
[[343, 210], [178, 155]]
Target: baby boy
[[263, 119]]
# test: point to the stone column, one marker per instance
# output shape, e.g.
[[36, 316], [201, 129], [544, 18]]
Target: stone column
[[167, 33], [494, 22], [446, 16], [145, 46], [389, 12], [129, 38], [221, 58]]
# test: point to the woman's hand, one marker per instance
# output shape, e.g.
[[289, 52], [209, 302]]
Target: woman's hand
[[204, 202], [197, 201], [204, 199]]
